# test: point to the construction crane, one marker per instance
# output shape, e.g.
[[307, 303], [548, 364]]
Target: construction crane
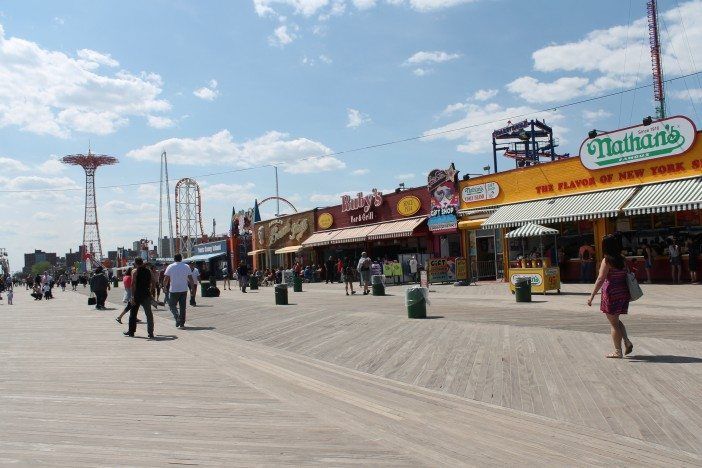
[[655, 42]]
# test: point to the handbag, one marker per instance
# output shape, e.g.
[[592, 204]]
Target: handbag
[[92, 300], [635, 291]]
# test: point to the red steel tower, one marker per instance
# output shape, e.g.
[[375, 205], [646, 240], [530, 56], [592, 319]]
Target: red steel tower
[[91, 230], [657, 68]]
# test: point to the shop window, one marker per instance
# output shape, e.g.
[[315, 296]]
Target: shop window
[[663, 220], [641, 222], [568, 228], [688, 218], [585, 226]]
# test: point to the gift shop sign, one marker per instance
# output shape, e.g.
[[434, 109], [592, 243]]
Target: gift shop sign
[[666, 137], [486, 191], [361, 206]]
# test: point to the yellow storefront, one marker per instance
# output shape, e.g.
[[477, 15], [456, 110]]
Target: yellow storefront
[[649, 194]]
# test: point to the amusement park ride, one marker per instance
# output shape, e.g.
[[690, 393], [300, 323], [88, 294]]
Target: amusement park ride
[[527, 142]]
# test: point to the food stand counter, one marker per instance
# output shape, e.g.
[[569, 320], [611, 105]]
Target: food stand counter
[[544, 277]]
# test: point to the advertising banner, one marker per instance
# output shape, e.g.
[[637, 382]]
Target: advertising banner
[[442, 186], [448, 269]]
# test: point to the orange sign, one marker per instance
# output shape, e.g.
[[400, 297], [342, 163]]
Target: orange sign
[[409, 205], [569, 176], [325, 220]]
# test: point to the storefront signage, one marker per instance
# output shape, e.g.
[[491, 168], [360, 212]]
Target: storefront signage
[[325, 221], [363, 203], [486, 191], [444, 270], [666, 137], [535, 278], [442, 187], [210, 247], [409, 205], [293, 230]]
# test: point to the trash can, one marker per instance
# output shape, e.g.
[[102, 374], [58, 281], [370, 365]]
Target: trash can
[[253, 283], [377, 279], [281, 294], [203, 289], [416, 302], [522, 290], [297, 284], [115, 282]]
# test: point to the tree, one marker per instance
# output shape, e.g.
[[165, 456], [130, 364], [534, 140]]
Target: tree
[[41, 267]]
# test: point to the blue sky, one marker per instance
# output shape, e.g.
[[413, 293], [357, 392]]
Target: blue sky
[[223, 85]]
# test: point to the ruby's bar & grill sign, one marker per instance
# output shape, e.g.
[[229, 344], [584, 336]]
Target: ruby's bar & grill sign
[[362, 203], [662, 138]]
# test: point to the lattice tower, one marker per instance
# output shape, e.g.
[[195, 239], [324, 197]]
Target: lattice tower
[[188, 208]]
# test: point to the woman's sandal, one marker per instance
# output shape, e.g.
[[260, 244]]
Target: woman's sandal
[[629, 348], [615, 355]]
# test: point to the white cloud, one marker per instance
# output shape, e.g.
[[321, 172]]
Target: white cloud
[[221, 149], [694, 93], [97, 58], [480, 119], [591, 117], [453, 108], [44, 216], [612, 58], [156, 121], [238, 194], [430, 5], [330, 198], [59, 21], [38, 183], [364, 4], [356, 118], [422, 71], [12, 165], [431, 57], [207, 93], [337, 9], [328, 8], [51, 166], [121, 207], [359, 172], [283, 35], [325, 59], [485, 94], [404, 177], [50, 92]]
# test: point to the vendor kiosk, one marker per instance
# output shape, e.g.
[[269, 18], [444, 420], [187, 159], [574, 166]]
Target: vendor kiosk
[[543, 276]]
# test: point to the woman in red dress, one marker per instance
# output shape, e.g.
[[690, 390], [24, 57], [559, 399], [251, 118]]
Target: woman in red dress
[[615, 293]]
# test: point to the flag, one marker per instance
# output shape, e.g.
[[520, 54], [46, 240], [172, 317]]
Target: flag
[[256, 213], [233, 228]]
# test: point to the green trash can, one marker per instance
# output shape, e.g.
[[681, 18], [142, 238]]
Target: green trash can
[[297, 284], [416, 302], [115, 282], [281, 294], [253, 283], [378, 289], [203, 289], [522, 290]]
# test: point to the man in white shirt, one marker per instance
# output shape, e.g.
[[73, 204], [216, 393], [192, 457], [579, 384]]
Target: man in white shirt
[[178, 280], [413, 268], [195, 273]]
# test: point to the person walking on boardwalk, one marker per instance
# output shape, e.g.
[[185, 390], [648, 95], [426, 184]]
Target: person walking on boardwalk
[[141, 296], [615, 293], [364, 267], [348, 275], [127, 282], [226, 281], [75, 277], [329, 268], [178, 281], [99, 284], [195, 274], [243, 275]]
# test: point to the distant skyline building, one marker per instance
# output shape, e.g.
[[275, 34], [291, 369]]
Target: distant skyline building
[[164, 247], [38, 256]]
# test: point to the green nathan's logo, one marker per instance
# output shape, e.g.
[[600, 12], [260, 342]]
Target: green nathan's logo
[[663, 138]]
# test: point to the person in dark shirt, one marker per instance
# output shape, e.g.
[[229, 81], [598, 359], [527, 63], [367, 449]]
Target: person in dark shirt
[[329, 268], [99, 284], [243, 274], [141, 296]]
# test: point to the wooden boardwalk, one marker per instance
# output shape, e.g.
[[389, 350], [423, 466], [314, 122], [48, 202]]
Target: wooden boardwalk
[[332, 381]]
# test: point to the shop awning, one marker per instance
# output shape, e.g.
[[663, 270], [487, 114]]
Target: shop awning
[[531, 230], [354, 234], [471, 223], [575, 207], [203, 257], [256, 252], [287, 250], [319, 238], [477, 211], [669, 196], [401, 228]]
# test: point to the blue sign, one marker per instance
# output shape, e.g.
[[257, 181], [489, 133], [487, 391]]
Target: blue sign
[[210, 248]]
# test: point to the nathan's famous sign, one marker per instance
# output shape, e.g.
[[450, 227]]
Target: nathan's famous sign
[[662, 138]]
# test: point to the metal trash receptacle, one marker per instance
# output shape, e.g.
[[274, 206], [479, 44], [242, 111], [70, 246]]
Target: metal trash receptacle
[[281, 294], [416, 303], [253, 282], [522, 290], [297, 284]]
